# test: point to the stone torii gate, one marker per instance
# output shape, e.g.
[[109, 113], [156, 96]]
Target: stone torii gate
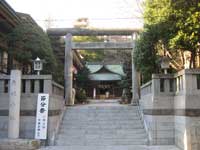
[[70, 45]]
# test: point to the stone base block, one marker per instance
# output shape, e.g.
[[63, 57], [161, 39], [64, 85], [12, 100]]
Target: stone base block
[[160, 129], [19, 144]]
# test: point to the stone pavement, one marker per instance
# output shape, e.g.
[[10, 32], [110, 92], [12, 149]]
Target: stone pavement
[[103, 125], [133, 147]]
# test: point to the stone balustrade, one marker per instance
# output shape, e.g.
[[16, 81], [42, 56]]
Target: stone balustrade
[[31, 85], [171, 108]]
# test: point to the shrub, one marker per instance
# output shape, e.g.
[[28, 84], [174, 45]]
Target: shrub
[[80, 96]]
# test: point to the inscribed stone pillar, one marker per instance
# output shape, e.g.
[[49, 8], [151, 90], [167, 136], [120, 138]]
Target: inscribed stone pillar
[[135, 77], [68, 70], [14, 104]]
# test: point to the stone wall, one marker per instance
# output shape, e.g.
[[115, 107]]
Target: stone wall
[[187, 111], [172, 109], [29, 104], [154, 103]]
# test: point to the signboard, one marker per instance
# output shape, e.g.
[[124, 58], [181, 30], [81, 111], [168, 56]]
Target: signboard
[[42, 116]]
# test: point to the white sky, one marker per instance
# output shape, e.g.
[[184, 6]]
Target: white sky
[[101, 13]]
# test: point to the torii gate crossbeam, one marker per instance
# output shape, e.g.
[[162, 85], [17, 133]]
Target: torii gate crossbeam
[[90, 32], [103, 45]]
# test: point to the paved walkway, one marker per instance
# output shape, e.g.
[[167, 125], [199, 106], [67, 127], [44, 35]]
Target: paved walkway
[[134, 147], [103, 125]]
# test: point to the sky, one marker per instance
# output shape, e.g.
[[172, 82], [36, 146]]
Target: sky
[[101, 13]]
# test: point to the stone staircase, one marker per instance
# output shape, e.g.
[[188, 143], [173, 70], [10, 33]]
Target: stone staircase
[[101, 125]]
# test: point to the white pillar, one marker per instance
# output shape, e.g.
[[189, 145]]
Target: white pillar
[[68, 70], [94, 93], [14, 104], [135, 77]]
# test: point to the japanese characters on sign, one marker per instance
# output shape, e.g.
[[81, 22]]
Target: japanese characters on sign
[[42, 116]]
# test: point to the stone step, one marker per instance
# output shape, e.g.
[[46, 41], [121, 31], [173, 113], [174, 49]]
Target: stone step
[[80, 118], [107, 119], [97, 126], [91, 108], [101, 123], [83, 117], [70, 119], [101, 136], [101, 112], [102, 142], [100, 128], [101, 109], [114, 127], [104, 132], [113, 147], [101, 115], [110, 119]]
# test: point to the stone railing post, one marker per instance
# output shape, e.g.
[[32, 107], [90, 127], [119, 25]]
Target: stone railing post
[[14, 104], [155, 85], [48, 88]]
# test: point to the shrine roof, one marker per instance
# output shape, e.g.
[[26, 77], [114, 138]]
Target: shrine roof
[[105, 72]]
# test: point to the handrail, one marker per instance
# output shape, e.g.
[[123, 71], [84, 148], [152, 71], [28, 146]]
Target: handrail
[[142, 118], [146, 88], [146, 84], [57, 89], [57, 85]]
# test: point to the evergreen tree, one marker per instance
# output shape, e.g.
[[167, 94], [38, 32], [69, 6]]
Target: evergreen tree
[[169, 25]]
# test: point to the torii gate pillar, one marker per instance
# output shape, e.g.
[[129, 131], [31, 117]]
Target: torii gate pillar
[[135, 76], [68, 70]]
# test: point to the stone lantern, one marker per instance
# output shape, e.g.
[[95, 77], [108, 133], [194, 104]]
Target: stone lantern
[[38, 65], [165, 63]]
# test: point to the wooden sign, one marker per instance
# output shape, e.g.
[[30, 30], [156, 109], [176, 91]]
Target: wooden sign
[[42, 116]]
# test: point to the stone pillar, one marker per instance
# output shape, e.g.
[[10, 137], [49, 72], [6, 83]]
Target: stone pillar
[[14, 104], [94, 93], [135, 77], [2, 86], [68, 70]]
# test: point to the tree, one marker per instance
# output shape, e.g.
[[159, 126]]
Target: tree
[[82, 84], [187, 22], [153, 41], [170, 26], [145, 56], [28, 41], [82, 78]]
